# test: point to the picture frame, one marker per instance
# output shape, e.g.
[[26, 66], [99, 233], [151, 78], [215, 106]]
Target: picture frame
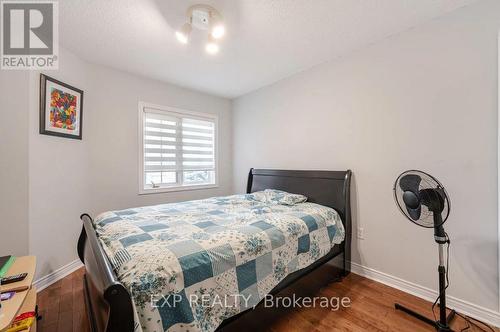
[[61, 108]]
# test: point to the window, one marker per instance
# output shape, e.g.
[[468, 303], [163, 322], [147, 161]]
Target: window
[[178, 149]]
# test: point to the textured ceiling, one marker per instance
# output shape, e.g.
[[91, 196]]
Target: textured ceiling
[[266, 40]]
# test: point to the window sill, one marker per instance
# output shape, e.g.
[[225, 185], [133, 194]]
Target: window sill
[[174, 189]]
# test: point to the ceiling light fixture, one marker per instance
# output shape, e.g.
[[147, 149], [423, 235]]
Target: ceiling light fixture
[[203, 17]]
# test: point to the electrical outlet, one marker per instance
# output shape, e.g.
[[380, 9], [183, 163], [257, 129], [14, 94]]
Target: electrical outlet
[[361, 233]]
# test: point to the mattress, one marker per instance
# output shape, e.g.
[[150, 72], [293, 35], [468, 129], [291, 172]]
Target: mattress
[[191, 265]]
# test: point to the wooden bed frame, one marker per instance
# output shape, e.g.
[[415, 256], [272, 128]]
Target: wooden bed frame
[[109, 305]]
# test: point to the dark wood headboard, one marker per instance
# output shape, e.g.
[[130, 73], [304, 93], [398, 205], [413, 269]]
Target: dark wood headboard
[[328, 188]]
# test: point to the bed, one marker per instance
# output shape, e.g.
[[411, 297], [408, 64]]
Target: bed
[[199, 265]]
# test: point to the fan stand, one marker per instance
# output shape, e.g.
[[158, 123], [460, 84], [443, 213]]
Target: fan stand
[[443, 324]]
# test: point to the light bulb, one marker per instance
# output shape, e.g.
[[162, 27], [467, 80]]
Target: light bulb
[[212, 47], [181, 37], [183, 34], [218, 31]]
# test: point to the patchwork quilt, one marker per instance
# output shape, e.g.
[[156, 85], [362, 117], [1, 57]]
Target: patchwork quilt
[[191, 265]]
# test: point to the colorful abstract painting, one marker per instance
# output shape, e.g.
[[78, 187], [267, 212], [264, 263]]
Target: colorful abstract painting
[[61, 108]]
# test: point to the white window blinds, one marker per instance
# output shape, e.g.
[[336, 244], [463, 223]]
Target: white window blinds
[[178, 149]]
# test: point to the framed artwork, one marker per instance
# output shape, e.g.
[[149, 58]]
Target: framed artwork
[[61, 108]]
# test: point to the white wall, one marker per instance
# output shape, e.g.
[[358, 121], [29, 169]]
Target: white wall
[[59, 177], [113, 102], [13, 163], [424, 99], [99, 173]]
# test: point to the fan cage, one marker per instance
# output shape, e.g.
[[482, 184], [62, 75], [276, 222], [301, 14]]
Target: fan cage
[[427, 181]]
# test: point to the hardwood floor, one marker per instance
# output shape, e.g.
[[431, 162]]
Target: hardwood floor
[[62, 306], [372, 308]]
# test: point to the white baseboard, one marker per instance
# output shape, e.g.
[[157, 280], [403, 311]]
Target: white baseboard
[[486, 315], [57, 275]]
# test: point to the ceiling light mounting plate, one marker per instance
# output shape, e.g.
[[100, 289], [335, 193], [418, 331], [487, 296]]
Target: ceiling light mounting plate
[[200, 19], [201, 15]]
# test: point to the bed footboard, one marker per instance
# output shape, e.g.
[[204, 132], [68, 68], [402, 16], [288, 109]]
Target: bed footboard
[[109, 304]]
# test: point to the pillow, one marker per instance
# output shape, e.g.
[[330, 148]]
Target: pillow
[[272, 196]]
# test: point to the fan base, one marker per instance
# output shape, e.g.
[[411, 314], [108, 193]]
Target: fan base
[[439, 326]]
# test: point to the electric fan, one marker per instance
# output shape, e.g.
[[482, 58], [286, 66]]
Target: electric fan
[[424, 201]]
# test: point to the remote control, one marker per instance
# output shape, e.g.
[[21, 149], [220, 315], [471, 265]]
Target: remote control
[[14, 278]]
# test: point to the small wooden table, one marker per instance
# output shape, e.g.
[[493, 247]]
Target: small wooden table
[[22, 301]]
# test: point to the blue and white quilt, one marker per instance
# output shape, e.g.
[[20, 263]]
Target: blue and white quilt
[[191, 265]]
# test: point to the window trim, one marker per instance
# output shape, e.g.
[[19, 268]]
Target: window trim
[[182, 112]]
